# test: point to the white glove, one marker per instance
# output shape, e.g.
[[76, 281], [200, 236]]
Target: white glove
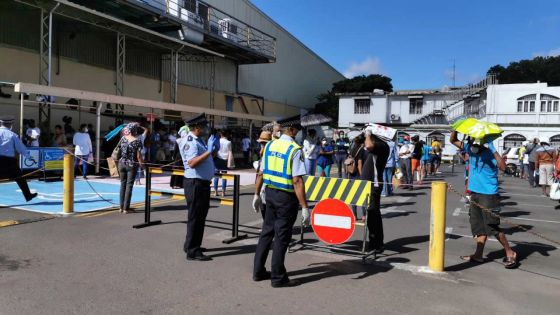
[[257, 203], [305, 216]]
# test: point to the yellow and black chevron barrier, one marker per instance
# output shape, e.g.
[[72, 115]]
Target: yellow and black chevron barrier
[[351, 191]]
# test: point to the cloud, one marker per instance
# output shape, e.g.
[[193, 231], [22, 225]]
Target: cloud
[[371, 65], [551, 53]]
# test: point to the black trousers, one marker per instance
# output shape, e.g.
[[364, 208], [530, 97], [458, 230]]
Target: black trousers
[[532, 180], [374, 221], [281, 214], [197, 193], [127, 174], [9, 169]]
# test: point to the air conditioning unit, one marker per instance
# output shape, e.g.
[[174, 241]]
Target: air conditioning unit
[[395, 117], [227, 28]]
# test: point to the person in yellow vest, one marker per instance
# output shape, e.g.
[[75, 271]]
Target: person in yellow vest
[[281, 172]]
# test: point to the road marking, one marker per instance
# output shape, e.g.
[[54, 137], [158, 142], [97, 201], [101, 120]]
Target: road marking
[[523, 219], [457, 212], [448, 232], [8, 223]]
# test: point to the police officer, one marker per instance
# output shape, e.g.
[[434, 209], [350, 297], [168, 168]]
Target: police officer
[[9, 144], [199, 170], [282, 173]]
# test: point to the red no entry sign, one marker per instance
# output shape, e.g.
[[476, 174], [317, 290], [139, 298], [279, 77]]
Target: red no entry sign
[[332, 221]]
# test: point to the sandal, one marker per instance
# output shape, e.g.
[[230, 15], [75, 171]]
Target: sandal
[[511, 262], [472, 259]]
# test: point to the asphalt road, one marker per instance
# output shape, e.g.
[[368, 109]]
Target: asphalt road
[[98, 264]]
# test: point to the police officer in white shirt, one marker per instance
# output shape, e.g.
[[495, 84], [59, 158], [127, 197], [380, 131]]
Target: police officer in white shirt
[[9, 145]]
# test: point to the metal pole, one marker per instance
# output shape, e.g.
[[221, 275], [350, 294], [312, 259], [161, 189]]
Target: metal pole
[[98, 138], [21, 115], [437, 226], [235, 227], [148, 202], [68, 177]]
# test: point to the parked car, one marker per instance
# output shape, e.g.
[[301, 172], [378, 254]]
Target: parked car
[[511, 158]]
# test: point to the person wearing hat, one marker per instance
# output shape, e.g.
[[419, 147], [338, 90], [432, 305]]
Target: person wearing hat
[[199, 170], [259, 200], [9, 145], [544, 162], [282, 172]]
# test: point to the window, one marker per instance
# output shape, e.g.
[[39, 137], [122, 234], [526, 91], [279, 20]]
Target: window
[[513, 140], [361, 106], [526, 103], [549, 103], [416, 106]]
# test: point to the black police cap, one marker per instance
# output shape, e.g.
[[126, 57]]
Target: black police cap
[[294, 122], [7, 119], [199, 120]]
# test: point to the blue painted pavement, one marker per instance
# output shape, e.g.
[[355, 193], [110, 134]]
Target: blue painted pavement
[[50, 196]]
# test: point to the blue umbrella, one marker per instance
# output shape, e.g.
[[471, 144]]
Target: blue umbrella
[[115, 132]]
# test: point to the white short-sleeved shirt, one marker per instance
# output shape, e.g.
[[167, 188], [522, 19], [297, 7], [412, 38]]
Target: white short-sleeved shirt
[[34, 134], [225, 147], [82, 142]]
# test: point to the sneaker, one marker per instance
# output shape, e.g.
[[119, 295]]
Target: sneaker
[[260, 277], [33, 195], [285, 284]]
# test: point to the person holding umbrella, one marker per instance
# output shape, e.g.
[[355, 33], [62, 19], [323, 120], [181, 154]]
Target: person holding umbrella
[[484, 163]]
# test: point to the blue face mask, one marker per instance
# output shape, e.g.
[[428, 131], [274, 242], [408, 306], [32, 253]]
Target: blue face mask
[[406, 142]]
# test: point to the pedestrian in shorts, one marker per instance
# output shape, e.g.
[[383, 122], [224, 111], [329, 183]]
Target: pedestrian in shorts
[[484, 162]]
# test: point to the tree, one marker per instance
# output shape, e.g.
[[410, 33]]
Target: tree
[[544, 69], [328, 102]]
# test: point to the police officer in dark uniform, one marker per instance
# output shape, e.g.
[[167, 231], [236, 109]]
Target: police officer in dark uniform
[[9, 145], [281, 171], [199, 170]]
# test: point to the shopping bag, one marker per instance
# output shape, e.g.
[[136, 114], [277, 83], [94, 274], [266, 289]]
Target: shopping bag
[[113, 171], [555, 190], [396, 182]]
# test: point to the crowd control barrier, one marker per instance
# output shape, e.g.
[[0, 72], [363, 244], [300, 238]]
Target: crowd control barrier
[[349, 191], [234, 202]]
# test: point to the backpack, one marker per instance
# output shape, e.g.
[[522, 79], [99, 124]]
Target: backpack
[[350, 163]]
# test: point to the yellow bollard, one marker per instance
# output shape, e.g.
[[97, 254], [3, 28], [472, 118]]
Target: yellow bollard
[[68, 176], [437, 226]]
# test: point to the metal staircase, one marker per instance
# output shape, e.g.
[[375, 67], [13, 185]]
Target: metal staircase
[[464, 101]]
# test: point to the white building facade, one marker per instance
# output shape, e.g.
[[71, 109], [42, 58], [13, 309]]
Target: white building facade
[[523, 111]]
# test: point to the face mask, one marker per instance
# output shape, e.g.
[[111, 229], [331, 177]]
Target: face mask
[[475, 149], [86, 130], [406, 142], [324, 142]]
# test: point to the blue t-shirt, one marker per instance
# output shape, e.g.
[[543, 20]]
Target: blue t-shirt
[[483, 172], [426, 152], [325, 160]]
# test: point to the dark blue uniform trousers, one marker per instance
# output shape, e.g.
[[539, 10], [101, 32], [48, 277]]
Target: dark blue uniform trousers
[[281, 214], [197, 194]]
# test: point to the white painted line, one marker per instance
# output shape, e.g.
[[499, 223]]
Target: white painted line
[[335, 221], [456, 212], [534, 220], [448, 231]]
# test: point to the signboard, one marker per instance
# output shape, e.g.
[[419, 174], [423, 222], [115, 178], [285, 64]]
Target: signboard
[[151, 117], [53, 158], [32, 161], [333, 221], [49, 158]]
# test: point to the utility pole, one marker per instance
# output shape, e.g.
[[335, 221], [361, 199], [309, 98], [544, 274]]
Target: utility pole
[[453, 72]]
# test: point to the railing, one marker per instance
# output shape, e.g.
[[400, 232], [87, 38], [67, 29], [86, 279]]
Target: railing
[[212, 21]]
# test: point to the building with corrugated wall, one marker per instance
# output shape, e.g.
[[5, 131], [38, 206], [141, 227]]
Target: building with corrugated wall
[[243, 61]]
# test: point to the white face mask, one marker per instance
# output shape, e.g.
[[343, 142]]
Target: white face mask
[[324, 142], [86, 130]]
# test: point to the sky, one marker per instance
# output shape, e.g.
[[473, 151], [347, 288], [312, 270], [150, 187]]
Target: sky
[[416, 42]]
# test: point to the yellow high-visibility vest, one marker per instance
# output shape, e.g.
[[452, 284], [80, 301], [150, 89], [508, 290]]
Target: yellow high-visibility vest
[[277, 167]]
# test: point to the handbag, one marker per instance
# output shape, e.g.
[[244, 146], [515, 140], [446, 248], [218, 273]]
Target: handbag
[[350, 163], [116, 154], [555, 190], [230, 160]]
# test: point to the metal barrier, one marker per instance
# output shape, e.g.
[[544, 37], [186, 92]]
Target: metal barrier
[[234, 202], [350, 191]]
